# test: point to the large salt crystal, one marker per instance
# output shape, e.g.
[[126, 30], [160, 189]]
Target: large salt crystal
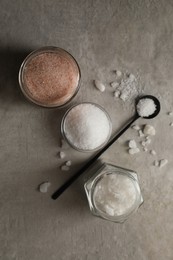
[[99, 85], [134, 150], [132, 144], [43, 187], [163, 162], [149, 130]]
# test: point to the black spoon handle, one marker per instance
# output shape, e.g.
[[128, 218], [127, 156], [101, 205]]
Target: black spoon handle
[[57, 193]]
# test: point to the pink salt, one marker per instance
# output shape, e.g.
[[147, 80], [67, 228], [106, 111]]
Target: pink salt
[[51, 78]]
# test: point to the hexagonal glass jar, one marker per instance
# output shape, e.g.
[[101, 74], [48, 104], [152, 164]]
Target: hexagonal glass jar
[[112, 185]]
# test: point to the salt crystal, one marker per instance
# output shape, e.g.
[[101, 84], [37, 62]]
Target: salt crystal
[[43, 187], [145, 149], [148, 141], [65, 168], [117, 93], [163, 162], [87, 126], [149, 130], [68, 163], [171, 124], [143, 143], [147, 137], [146, 107], [136, 127], [170, 113], [116, 196], [99, 85], [132, 144], [140, 133], [132, 77], [114, 84], [156, 163], [118, 73], [62, 155], [134, 150], [153, 152]]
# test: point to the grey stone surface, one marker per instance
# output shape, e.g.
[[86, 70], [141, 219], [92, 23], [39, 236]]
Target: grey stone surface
[[129, 35]]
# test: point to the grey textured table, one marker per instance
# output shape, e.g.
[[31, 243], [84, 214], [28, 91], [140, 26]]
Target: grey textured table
[[131, 35]]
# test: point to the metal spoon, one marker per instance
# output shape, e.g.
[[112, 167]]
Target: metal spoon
[[57, 193]]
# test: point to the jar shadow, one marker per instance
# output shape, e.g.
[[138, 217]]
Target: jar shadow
[[10, 62]]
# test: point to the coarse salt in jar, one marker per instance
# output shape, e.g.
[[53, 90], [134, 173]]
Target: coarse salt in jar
[[113, 192]]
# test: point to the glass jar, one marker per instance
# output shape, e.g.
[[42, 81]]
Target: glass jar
[[49, 77], [92, 128], [113, 192]]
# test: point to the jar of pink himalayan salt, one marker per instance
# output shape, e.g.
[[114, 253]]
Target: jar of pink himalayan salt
[[49, 77]]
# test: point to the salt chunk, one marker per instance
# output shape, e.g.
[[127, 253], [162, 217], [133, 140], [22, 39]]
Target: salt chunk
[[153, 152], [68, 163], [62, 155], [171, 124], [99, 85], [143, 143], [170, 113], [136, 127], [114, 84], [149, 130], [117, 93], [140, 133], [163, 162], [132, 77], [118, 73], [148, 141], [132, 144], [44, 187], [134, 150], [65, 168], [145, 149], [156, 163], [124, 96]]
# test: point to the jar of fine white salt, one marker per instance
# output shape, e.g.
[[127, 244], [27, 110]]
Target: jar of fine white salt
[[113, 192]]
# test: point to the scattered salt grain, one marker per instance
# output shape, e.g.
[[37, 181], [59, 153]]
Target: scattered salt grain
[[140, 133], [65, 168], [146, 107], [118, 73], [153, 152], [170, 113], [114, 84], [87, 126], [136, 127], [145, 149], [156, 163], [131, 76], [116, 194], [62, 155], [148, 141], [149, 130], [132, 144], [133, 150], [163, 162], [143, 143], [68, 163], [117, 93], [43, 187], [171, 124], [99, 85]]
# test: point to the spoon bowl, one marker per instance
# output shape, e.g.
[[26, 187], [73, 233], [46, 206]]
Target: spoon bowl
[[156, 102]]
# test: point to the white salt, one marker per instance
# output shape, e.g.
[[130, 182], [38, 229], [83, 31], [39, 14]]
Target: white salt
[[134, 150], [99, 85], [136, 127], [145, 149], [156, 163], [153, 152], [132, 144], [149, 130], [65, 168], [114, 84], [163, 162], [115, 194], [43, 187], [68, 163], [146, 107], [117, 93], [87, 126], [170, 113], [118, 73], [141, 134], [171, 124], [62, 155]]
